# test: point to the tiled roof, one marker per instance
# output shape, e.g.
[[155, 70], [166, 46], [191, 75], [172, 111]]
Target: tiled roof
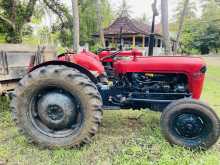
[[129, 26]]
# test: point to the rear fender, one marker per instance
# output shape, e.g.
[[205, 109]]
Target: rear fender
[[68, 64]]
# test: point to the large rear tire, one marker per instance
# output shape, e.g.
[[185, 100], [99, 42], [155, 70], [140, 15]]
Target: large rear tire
[[56, 106], [191, 124]]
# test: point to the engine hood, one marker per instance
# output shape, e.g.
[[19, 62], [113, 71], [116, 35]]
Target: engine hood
[[160, 64], [194, 68]]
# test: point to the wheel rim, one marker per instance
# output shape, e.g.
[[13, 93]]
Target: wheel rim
[[189, 125], [55, 112]]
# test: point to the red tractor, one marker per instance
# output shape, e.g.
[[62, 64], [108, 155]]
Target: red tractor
[[60, 103]]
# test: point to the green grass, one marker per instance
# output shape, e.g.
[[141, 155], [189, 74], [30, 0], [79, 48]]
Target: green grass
[[121, 140]]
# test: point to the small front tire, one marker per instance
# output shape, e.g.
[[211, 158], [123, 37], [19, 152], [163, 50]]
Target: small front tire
[[191, 124]]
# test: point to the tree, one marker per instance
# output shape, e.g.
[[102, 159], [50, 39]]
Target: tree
[[88, 23], [185, 14], [191, 32], [165, 25], [190, 15], [76, 31], [15, 14], [210, 38], [191, 10], [202, 35], [181, 23], [99, 22]]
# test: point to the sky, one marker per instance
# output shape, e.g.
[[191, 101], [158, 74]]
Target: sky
[[140, 7], [137, 7]]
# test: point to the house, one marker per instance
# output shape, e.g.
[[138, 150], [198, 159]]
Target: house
[[134, 34]]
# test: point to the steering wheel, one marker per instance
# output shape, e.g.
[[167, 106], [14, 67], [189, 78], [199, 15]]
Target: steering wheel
[[101, 50], [113, 55]]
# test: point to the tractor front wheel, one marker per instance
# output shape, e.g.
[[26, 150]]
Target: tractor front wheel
[[191, 124], [57, 106]]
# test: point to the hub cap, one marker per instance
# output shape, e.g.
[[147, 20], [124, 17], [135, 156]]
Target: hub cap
[[56, 112], [189, 125]]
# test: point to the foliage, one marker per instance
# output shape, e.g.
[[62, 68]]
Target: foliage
[[200, 34], [15, 14], [15, 17], [211, 19], [190, 33], [88, 23], [209, 40], [191, 10], [96, 48]]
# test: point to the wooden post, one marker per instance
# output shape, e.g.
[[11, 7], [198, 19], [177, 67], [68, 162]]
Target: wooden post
[[143, 41], [155, 42], [134, 42], [113, 42]]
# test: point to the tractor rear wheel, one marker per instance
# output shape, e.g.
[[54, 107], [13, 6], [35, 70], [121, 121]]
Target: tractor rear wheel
[[191, 124], [56, 106]]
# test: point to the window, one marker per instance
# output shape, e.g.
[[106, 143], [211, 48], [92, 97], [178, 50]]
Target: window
[[147, 41], [138, 41]]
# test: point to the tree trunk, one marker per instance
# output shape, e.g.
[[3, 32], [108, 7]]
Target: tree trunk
[[165, 25], [76, 31], [99, 21], [182, 17], [13, 15]]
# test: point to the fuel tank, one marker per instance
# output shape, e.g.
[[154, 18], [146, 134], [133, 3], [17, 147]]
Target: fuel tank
[[127, 53], [86, 59], [194, 68]]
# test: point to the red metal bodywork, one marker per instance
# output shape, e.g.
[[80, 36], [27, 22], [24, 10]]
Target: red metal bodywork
[[190, 66], [88, 60]]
